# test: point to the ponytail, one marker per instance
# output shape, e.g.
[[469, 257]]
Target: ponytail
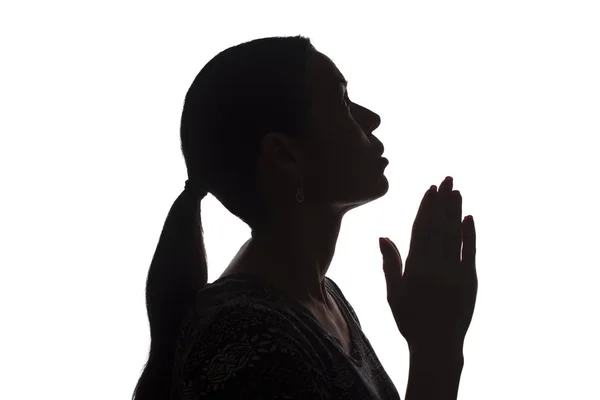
[[241, 94], [178, 270]]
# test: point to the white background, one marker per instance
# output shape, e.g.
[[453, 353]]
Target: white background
[[504, 96]]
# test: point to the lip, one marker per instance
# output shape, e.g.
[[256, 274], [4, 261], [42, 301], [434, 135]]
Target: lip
[[384, 161]]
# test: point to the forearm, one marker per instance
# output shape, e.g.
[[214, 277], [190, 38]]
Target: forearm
[[434, 375]]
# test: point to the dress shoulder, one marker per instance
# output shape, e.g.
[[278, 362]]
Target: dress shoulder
[[249, 350]]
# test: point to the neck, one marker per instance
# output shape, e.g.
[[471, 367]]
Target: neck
[[293, 257]]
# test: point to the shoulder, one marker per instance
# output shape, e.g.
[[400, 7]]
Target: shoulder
[[250, 347], [236, 320], [250, 325]]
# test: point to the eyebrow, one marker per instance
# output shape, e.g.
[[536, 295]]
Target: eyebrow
[[343, 82]]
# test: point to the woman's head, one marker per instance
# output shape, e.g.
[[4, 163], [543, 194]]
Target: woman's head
[[259, 121], [270, 116]]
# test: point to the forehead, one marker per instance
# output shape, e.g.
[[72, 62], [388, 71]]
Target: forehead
[[324, 77]]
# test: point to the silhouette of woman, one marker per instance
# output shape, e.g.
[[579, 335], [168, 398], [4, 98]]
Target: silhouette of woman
[[268, 128]]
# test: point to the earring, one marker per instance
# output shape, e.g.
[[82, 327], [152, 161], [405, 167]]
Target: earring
[[300, 195]]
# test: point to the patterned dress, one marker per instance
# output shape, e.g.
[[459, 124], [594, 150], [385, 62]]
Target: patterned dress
[[243, 339]]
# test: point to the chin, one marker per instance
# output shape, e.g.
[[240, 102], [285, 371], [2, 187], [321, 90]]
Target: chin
[[383, 186]]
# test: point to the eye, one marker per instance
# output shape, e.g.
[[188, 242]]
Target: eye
[[346, 102]]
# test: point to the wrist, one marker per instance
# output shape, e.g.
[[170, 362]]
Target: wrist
[[434, 373], [451, 355]]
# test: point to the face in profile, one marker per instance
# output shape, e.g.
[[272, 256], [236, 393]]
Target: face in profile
[[340, 165], [348, 166]]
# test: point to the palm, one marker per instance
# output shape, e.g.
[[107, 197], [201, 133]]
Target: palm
[[434, 300]]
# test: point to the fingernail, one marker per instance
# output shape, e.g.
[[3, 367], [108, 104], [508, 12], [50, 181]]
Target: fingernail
[[381, 245]]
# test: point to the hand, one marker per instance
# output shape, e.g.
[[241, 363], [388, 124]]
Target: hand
[[433, 301]]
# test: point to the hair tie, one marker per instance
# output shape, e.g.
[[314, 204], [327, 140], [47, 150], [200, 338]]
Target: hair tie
[[196, 187]]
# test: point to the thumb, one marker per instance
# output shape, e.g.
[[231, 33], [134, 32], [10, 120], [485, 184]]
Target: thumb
[[392, 265]]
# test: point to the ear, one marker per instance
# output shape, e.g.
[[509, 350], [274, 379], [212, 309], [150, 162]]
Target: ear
[[280, 153]]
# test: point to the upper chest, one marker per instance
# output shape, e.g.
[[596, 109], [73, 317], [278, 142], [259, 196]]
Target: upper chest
[[334, 322]]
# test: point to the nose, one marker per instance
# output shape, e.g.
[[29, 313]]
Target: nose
[[375, 121], [368, 119]]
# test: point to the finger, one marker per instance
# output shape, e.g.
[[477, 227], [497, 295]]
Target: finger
[[392, 266], [439, 230], [420, 231], [395, 249], [469, 244], [454, 239]]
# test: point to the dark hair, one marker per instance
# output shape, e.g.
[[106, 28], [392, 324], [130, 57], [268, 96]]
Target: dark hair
[[243, 93]]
